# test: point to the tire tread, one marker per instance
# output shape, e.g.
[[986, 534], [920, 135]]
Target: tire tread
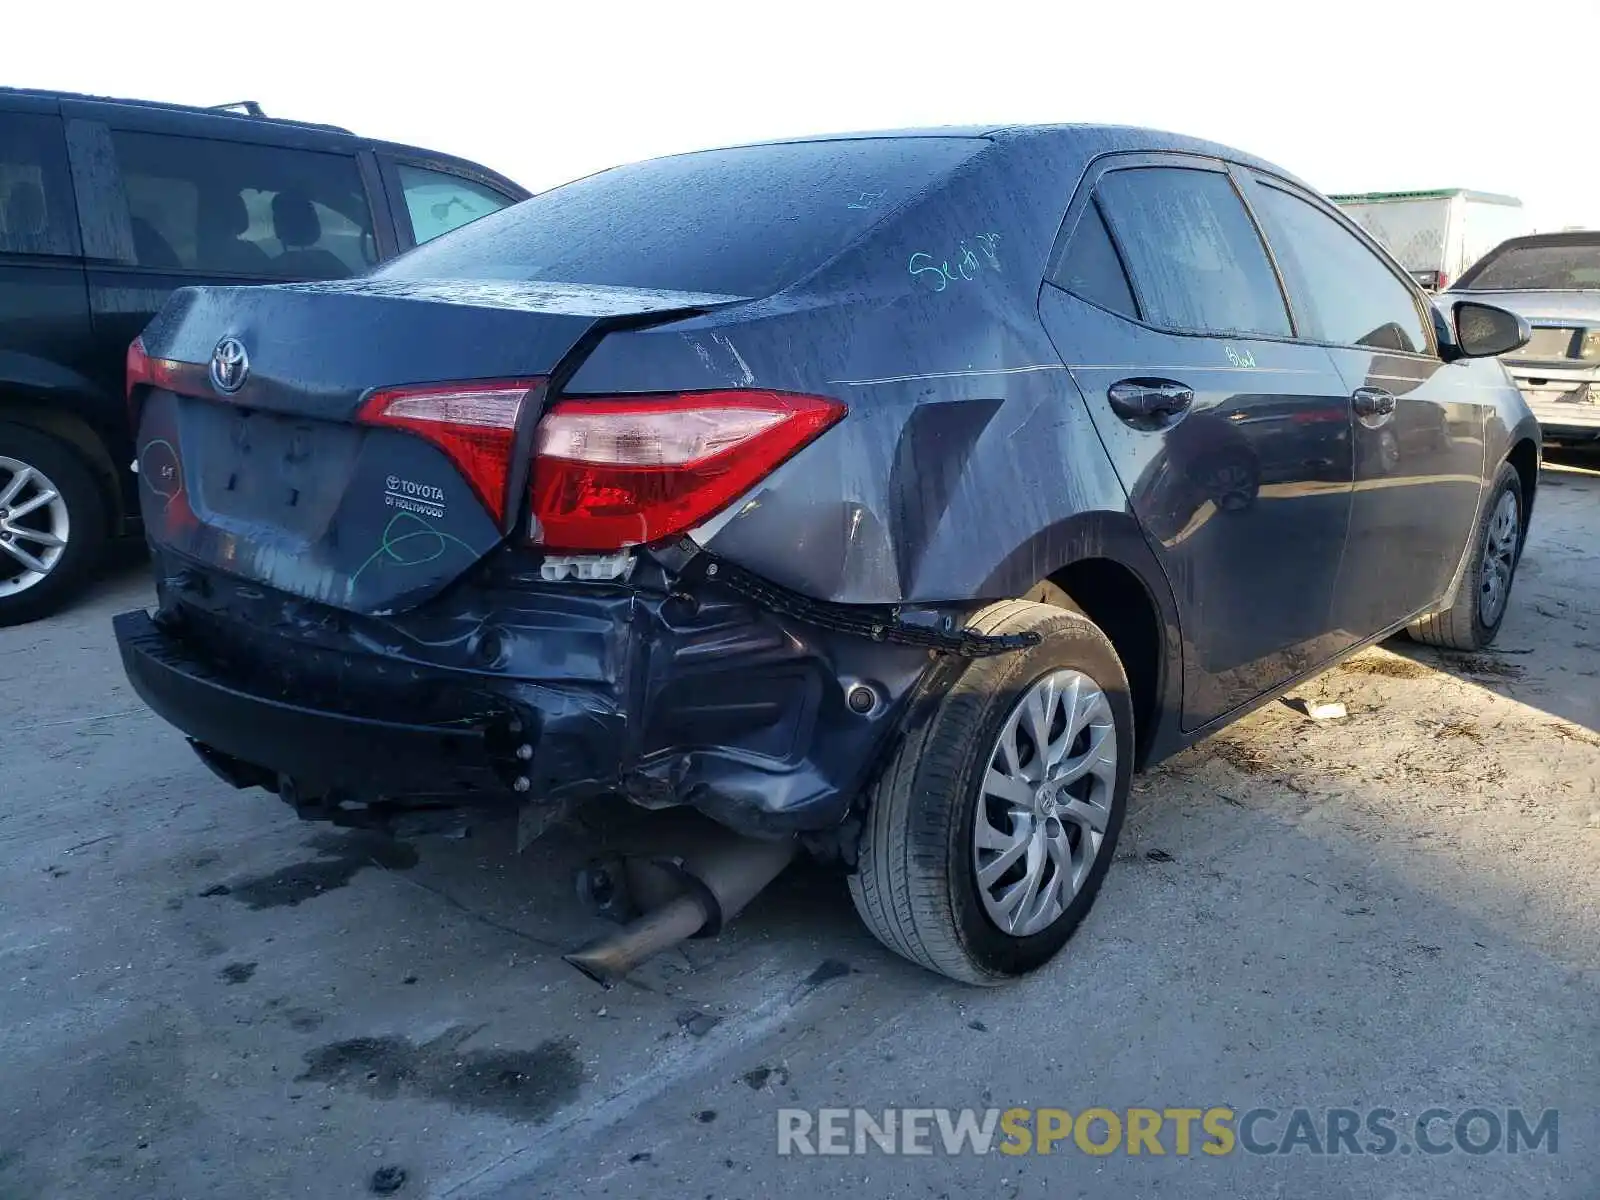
[[900, 886], [1457, 627]]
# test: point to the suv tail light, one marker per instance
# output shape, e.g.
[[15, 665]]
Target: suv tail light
[[475, 424], [625, 471], [137, 368], [144, 371]]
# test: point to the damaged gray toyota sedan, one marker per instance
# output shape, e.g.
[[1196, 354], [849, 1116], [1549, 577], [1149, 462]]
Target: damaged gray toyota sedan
[[894, 497]]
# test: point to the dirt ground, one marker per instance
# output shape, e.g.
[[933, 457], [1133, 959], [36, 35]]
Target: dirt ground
[[200, 996]]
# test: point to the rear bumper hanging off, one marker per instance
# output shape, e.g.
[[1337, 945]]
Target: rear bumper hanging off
[[674, 689], [337, 750]]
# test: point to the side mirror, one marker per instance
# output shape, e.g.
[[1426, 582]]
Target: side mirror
[[1483, 331]]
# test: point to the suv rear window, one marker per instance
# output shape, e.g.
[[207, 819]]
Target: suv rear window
[[742, 222], [36, 211], [1568, 266], [437, 201], [233, 208]]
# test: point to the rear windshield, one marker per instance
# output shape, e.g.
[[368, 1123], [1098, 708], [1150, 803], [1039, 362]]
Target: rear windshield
[[742, 222], [1568, 266]]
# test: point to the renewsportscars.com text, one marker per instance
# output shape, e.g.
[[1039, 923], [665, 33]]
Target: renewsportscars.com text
[[1213, 1131]]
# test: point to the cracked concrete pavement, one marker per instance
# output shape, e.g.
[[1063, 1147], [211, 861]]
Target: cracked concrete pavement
[[201, 996]]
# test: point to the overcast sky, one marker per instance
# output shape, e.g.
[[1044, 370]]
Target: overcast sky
[[1361, 96]]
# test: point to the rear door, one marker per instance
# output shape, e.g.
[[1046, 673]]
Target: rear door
[[1419, 422], [429, 196], [43, 307], [1231, 438], [165, 210]]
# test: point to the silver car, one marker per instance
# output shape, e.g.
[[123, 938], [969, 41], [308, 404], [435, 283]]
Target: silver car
[[1553, 280]]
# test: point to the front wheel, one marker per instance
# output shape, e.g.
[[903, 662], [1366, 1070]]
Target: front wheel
[[1479, 605], [988, 834]]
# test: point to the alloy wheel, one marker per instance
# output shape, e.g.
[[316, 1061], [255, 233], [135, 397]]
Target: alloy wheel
[[1499, 558], [1045, 802], [34, 526]]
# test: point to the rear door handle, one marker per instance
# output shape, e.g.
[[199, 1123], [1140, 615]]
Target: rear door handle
[[1372, 402], [1147, 400]]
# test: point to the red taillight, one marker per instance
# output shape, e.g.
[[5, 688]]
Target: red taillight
[[144, 371], [475, 424], [137, 367], [634, 470]]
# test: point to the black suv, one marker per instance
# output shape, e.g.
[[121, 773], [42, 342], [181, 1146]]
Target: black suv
[[106, 206]]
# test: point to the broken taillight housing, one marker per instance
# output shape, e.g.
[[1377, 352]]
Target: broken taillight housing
[[475, 424], [623, 471]]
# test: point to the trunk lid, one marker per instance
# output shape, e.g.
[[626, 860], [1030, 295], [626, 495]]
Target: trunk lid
[[267, 470]]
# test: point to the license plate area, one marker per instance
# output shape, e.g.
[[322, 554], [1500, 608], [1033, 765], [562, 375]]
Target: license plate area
[[1549, 343], [1580, 394], [248, 466]]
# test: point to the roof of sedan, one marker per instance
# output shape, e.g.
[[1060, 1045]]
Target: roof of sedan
[[1558, 237], [1133, 137], [1111, 137]]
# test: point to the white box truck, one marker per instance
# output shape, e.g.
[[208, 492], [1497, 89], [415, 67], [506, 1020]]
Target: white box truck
[[1437, 235]]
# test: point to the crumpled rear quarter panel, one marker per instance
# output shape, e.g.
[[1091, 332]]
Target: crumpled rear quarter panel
[[966, 440]]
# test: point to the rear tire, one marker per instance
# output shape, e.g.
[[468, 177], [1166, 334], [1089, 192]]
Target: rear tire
[[1484, 593], [917, 884], [31, 520]]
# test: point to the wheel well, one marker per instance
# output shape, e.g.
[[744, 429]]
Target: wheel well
[[1116, 600], [1524, 457], [77, 433]]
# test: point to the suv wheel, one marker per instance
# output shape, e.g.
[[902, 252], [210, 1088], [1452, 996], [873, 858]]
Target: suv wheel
[[991, 828], [52, 524], [1473, 618]]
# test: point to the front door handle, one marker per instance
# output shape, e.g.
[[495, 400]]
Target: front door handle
[[1144, 401], [1373, 402]]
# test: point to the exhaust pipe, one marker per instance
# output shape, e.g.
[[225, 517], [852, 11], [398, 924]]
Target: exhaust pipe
[[698, 894]]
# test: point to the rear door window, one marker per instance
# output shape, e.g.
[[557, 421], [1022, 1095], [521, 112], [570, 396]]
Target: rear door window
[[1197, 262], [438, 201], [235, 208], [1342, 292], [37, 215], [744, 222], [1091, 269]]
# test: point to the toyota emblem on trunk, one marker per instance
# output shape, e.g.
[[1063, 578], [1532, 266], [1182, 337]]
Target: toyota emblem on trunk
[[230, 365]]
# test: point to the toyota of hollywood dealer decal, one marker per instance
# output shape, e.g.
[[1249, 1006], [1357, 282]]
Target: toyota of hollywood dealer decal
[[424, 499]]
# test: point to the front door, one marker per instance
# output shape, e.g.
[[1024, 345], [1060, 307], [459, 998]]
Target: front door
[[1418, 428], [1232, 439]]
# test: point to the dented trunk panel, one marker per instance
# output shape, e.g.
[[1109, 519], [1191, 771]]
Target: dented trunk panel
[[276, 483], [372, 520]]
